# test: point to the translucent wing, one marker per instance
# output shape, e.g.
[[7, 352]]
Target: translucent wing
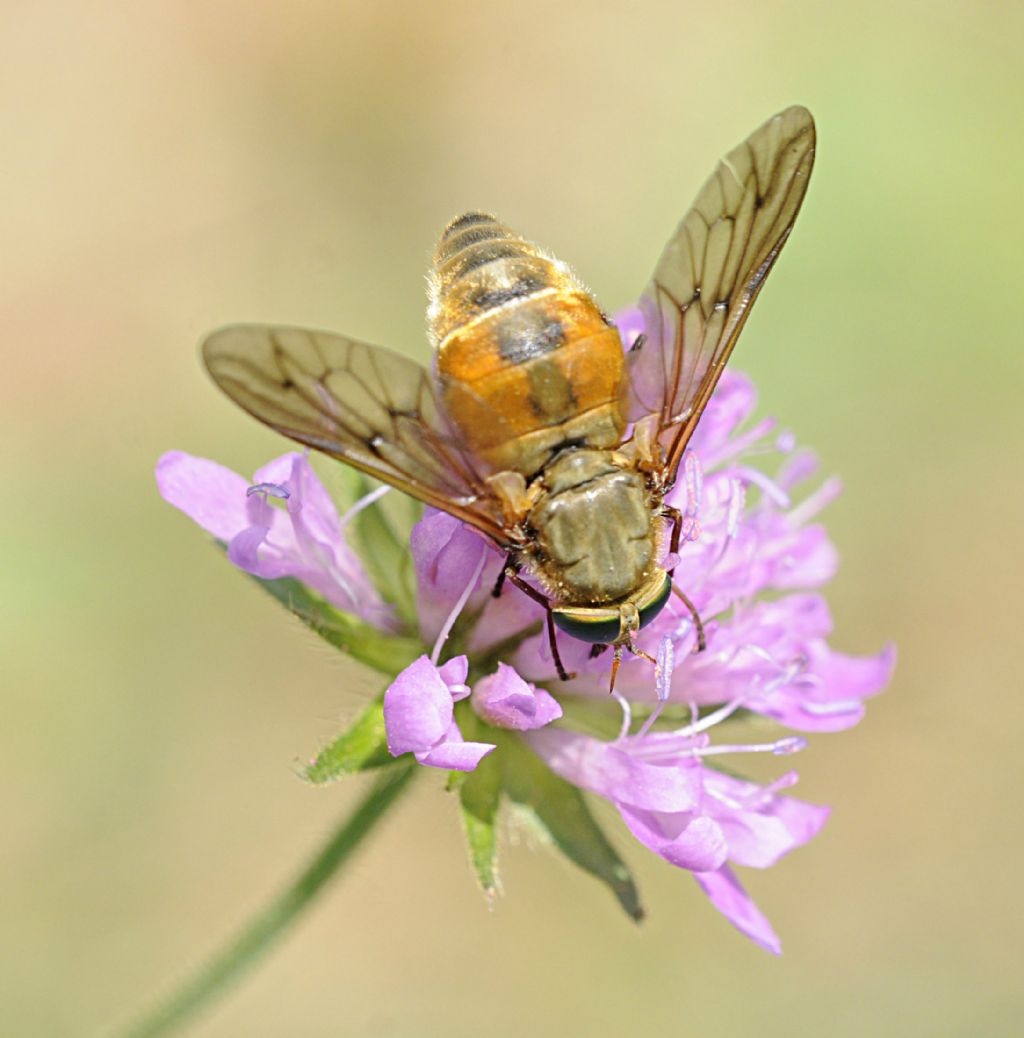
[[711, 272], [367, 406]]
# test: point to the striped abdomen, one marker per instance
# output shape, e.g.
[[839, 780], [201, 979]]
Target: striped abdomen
[[526, 362]]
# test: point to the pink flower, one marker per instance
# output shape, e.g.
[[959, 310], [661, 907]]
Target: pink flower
[[305, 540], [420, 719], [753, 558], [504, 700]]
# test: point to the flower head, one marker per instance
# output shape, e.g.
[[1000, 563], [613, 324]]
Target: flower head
[[481, 698]]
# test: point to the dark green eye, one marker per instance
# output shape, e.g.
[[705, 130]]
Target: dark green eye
[[589, 625], [650, 609], [602, 625]]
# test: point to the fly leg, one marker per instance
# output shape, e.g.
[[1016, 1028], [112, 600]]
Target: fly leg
[[640, 652], [629, 624], [618, 660], [500, 582], [676, 518], [702, 642], [533, 593], [615, 668]]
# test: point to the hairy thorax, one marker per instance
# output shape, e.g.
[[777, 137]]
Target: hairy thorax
[[592, 536]]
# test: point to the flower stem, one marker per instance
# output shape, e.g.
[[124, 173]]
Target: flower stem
[[269, 925]]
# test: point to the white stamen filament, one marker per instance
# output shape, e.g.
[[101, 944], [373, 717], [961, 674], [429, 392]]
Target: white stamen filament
[[364, 502], [457, 608], [839, 706], [788, 744], [715, 717], [742, 444], [737, 499], [672, 744], [627, 715], [753, 799], [764, 483]]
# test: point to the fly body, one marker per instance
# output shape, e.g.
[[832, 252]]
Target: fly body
[[538, 426]]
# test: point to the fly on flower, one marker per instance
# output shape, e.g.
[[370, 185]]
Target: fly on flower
[[540, 427]]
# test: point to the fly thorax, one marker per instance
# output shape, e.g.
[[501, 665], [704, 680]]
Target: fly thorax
[[592, 528]]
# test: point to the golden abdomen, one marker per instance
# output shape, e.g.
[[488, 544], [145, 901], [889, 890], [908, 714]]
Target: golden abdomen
[[525, 359]]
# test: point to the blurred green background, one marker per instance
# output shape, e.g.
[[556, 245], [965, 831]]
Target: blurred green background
[[168, 167]]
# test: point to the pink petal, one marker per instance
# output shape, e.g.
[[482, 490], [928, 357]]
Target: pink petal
[[732, 401], [760, 827], [455, 756], [446, 554], [417, 709], [454, 671], [244, 550], [803, 560], [729, 897], [503, 699], [604, 769], [852, 676], [797, 468], [829, 698], [804, 821], [630, 323], [755, 840], [694, 843], [210, 494]]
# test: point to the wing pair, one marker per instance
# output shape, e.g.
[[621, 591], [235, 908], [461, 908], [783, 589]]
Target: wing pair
[[379, 411]]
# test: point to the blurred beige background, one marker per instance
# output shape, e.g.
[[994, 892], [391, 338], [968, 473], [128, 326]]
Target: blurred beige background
[[169, 167]]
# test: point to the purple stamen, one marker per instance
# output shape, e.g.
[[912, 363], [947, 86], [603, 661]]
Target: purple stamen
[[269, 490], [663, 667], [693, 480], [785, 442]]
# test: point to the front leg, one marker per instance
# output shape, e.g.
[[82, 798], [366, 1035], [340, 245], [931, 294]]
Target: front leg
[[676, 518], [500, 582], [513, 576]]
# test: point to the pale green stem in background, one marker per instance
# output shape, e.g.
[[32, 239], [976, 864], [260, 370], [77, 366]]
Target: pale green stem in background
[[271, 924]]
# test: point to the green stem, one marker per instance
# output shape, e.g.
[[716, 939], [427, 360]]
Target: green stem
[[263, 931]]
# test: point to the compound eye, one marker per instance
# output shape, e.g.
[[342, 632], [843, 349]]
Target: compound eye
[[602, 628], [650, 609]]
